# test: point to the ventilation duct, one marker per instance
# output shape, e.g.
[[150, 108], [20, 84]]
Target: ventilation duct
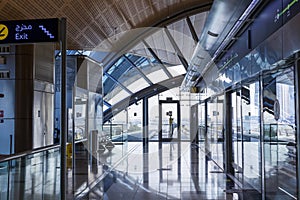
[[225, 19]]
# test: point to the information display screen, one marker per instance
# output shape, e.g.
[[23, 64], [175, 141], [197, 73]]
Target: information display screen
[[29, 31]]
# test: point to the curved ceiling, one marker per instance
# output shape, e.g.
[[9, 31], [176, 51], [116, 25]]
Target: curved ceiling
[[141, 43], [159, 57], [90, 22]]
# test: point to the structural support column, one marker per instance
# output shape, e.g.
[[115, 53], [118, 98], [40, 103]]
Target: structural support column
[[145, 142], [262, 146], [228, 134], [297, 85], [64, 128]]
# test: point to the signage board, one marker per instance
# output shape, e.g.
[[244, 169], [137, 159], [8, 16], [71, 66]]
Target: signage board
[[29, 31]]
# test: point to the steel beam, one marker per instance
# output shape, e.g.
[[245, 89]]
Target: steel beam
[[177, 50], [117, 82], [192, 30], [139, 70], [158, 59]]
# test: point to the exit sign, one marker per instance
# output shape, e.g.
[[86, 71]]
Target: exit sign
[[29, 31]]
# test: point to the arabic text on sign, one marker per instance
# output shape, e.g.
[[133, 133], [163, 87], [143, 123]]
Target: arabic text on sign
[[20, 28]]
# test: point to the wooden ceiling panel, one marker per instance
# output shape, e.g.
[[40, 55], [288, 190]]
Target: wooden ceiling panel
[[92, 36], [10, 11], [83, 16], [92, 8]]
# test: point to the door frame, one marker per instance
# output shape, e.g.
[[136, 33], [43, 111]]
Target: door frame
[[169, 101]]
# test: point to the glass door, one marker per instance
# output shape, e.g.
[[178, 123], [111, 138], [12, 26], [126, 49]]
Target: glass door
[[250, 118], [169, 120], [279, 134]]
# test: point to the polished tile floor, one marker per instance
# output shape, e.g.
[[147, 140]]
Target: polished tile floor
[[129, 171], [162, 171]]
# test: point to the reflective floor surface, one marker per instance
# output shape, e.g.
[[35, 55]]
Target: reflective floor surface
[[128, 171], [161, 171]]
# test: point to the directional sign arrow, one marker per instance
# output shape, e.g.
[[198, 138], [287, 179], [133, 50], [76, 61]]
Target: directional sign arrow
[[46, 31]]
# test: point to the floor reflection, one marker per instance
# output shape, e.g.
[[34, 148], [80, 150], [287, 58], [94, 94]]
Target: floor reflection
[[175, 170], [169, 170]]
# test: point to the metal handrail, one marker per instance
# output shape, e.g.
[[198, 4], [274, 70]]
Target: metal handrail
[[29, 152]]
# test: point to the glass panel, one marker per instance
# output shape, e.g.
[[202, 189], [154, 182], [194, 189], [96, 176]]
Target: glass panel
[[116, 129], [202, 125], [176, 70], [279, 135], [215, 130], [35, 176], [115, 132], [139, 61], [237, 134], [198, 21], [135, 117], [183, 38], [149, 67], [4, 178], [105, 107], [80, 106], [156, 74], [108, 85], [128, 76], [153, 111], [185, 106], [114, 70], [161, 45], [137, 85], [172, 93], [245, 67], [117, 94], [251, 134]]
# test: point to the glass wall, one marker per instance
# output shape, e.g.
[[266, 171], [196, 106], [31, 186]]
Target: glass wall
[[263, 132]]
